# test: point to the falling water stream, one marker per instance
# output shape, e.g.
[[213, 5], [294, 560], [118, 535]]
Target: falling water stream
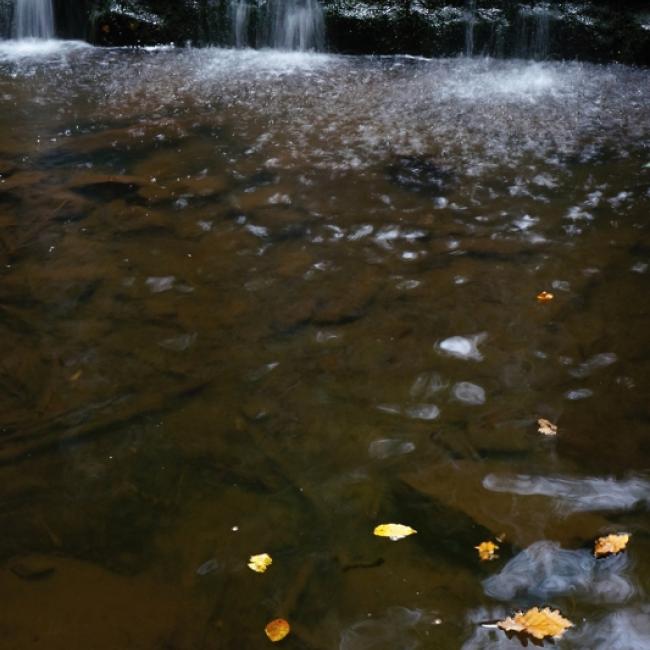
[[262, 301], [280, 24], [33, 19]]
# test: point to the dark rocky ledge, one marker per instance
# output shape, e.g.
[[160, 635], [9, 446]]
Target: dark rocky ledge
[[591, 30]]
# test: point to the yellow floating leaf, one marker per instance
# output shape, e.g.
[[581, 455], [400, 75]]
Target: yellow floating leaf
[[486, 550], [538, 623], [277, 629], [546, 427], [260, 563], [545, 296], [394, 531], [611, 544]]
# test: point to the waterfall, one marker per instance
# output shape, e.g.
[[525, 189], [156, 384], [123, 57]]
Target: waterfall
[[533, 32], [470, 23], [280, 24], [240, 15], [295, 25], [33, 19]]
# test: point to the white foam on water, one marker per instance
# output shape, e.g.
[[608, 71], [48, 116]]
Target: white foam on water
[[422, 412], [575, 494], [36, 48], [463, 347], [387, 447], [544, 570], [468, 393], [389, 630]]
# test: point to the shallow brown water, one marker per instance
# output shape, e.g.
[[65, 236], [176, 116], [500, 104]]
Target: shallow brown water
[[229, 281]]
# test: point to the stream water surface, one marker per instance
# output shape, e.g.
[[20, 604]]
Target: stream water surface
[[254, 301]]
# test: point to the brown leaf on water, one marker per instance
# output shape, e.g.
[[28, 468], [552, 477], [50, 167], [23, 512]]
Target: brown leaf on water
[[538, 623], [545, 296], [487, 551], [611, 544], [277, 629], [546, 427]]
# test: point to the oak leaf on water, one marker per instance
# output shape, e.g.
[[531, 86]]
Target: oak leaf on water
[[611, 544], [277, 629], [394, 531], [260, 563], [487, 550], [538, 623], [545, 296], [546, 427]]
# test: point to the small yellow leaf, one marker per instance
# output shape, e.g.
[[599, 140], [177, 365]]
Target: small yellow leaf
[[486, 550], [76, 376], [394, 531], [260, 563], [537, 623], [611, 544], [277, 629], [546, 427], [545, 296]]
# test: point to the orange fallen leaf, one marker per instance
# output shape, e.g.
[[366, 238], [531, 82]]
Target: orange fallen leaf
[[260, 563], [546, 427], [538, 623], [611, 544], [394, 531], [487, 550], [545, 296], [277, 629]]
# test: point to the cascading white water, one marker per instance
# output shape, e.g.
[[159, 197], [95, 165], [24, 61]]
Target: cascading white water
[[240, 15], [33, 19], [280, 24], [533, 32], [295, 25], [470, 22]]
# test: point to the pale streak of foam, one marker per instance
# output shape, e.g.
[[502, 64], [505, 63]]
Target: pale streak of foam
[[574, 494]]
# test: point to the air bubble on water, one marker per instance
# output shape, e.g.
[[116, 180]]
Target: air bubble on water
[[280, 199], [561, 285], [463, 347], [388, 447], [360, 232], [468, 393], [207, 567], [160, 284], [422, 412], [579, 393], [406, 285], [257, 231], [596, 362]]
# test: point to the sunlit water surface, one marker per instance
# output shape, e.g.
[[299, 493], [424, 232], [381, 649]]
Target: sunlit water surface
[[261, 302]]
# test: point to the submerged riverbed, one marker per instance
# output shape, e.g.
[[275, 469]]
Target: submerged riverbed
[[255, 301]]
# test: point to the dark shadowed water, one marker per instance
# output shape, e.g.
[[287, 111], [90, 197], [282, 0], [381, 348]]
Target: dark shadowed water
[[262, 302]]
